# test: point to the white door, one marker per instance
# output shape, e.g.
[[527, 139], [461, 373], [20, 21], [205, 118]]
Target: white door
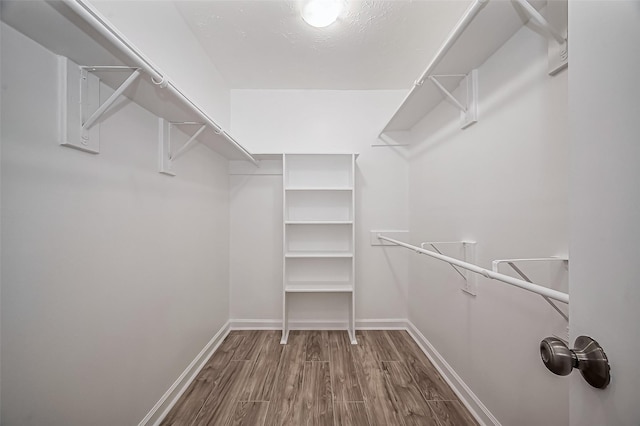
[[604, 283]]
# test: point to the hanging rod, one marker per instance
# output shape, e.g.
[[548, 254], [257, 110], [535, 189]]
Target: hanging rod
[[535, 288], [460, 27], [96, 21]]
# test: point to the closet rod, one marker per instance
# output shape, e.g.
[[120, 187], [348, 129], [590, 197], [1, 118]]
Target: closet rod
[[535, 288], [460, 27], [95, 20]]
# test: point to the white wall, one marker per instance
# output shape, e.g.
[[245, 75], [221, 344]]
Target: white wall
[[604, 101], [0, 234], [159, 31], [114, 276], [501, 183], [316, 121]]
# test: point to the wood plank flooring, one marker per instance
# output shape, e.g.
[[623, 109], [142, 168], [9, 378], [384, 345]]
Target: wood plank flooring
[[319, 378]]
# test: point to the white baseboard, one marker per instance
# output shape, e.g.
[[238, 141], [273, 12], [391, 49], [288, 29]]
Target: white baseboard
[[255, 324], [382, 324], [276, 324], [171, 396], [466, 395]]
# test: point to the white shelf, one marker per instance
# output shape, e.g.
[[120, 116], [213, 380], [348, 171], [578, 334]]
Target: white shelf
[[495, 23], [312, 188], [318, 222], [318, 287], [317, 255], [61, 30]]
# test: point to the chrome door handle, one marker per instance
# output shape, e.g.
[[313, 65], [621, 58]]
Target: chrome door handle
[[587, 356]]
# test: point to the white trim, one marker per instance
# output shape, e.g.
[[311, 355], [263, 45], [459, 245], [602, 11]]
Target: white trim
[[276, 324], [171, 396], [382, 324], [466, 395], [255, 324]]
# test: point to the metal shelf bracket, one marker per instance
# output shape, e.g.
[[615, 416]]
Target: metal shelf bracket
[[469, 249], [84, 73], [511, 262], [556, 31], [468, 111], [166, 156], [79, 99]]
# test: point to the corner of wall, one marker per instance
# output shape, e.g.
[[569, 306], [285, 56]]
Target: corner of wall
[[171, 396], [466, 395]]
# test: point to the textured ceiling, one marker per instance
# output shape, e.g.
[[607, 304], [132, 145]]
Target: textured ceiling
[[373, 45]]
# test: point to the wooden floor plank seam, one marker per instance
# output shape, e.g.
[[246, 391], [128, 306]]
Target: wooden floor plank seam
[[319, 378], [331, 374]]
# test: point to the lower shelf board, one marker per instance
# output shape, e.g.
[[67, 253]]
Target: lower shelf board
[[317, 254], [324, 287]]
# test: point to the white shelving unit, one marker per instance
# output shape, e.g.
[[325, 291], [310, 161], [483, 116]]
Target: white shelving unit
[[92, 50], [480, 32], [319, 232]]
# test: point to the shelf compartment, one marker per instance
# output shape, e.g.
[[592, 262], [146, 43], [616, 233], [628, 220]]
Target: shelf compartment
[[318, 171], [313, 238], [336, 270], [320, 205]]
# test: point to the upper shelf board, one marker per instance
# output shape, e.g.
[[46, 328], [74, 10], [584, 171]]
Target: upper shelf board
[[495, 23], [57, 28]]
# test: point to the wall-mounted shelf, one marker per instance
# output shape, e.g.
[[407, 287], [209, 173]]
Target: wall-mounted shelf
[[483, 29], [75, 30]]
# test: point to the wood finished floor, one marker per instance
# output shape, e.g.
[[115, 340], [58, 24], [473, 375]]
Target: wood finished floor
[[319, 378]]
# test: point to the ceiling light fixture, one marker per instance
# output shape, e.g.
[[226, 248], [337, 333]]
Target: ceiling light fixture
[[321, 13]]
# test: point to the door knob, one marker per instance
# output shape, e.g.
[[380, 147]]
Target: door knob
[[587, 356]]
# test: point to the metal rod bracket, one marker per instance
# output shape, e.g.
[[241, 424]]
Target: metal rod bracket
[[78, 93], [555, 29], [166, 156], [468, 110], [79, 103], [470, 285], [512, 263], [84, 73]]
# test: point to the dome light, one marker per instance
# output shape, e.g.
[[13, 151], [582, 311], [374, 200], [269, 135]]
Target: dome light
[[321, 13]]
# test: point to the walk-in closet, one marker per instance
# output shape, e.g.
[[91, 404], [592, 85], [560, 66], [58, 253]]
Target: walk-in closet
[[319, 212]]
